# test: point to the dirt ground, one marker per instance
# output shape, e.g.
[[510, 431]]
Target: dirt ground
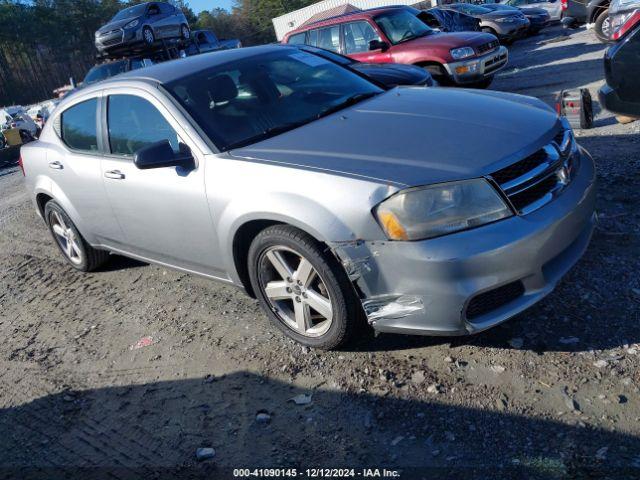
[[552, 393]]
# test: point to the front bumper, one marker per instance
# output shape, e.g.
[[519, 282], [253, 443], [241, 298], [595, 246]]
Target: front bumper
[[425, 287], [611, 101], [512, 31], [478, 68], [118, 38]]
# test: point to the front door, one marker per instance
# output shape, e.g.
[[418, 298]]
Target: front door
[[357, 38], [163, 212]]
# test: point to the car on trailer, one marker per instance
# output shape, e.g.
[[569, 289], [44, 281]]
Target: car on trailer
[[143, 24]]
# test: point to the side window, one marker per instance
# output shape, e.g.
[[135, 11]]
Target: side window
[[166, 8], [313, 38], [329, 38], [357, 36], [78, 126], [134, 123], [297, 39]]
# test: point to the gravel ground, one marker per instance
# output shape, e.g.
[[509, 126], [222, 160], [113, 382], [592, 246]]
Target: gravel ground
[[552, 393]]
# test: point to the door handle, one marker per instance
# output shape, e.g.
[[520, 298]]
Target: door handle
[[56, 165], [114, 174]]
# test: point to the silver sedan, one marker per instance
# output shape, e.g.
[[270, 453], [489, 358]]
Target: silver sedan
[[335, 203]]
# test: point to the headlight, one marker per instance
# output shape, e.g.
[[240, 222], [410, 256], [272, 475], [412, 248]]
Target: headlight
[[504, 20], [462, 52], [427, 212], [132, 24]]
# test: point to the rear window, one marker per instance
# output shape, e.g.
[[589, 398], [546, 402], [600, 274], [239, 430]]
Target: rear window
[[78, 126]]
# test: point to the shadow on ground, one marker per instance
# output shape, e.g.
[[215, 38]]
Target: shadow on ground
[[93, 434]]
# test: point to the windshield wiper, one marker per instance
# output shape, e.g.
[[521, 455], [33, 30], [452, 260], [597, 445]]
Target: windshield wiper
[[268, 133], [347, 102]]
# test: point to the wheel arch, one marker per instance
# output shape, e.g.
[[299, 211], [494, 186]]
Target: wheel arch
[[597, 9]]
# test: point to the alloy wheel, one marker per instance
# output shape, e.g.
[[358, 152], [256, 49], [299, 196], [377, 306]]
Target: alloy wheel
[[148, 36], [606, 27], [66, 238], [296, 291]]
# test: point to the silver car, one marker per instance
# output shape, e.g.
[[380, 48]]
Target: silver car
[[334, 202]]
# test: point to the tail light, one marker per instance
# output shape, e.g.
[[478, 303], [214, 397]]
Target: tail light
[[564, 4], [20, 164], [621, 24]]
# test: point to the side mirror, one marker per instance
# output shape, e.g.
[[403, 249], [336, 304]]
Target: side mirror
[[161, 155], [378, 45]]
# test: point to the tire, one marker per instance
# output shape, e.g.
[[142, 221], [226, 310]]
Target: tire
[[185, 33], [84, 257], [602, 27], [483, 83], [292, 299], [438, 73], [148, 36]]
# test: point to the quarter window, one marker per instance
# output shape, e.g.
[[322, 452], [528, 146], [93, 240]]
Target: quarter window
[[357, 36], [135, 123], [78, 126], [297, 39], [329, 38]]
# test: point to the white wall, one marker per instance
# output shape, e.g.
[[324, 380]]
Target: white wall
[[291, 21]]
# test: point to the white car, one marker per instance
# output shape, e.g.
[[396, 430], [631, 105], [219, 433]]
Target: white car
[[554, 7]]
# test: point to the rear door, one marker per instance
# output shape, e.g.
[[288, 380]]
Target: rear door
[[356, 39], [163, 212]]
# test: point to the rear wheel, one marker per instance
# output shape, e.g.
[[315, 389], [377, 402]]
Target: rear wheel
[[602, 27], [76, 251], [302, 288]]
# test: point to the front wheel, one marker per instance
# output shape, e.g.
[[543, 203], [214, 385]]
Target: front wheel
[[302, 288], [148, 36], [76, 251], [482, 83], [602, 27], [185, 33]]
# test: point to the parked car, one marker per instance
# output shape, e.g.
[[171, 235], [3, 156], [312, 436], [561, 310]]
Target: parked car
[[108, 69], [450, 20], [16, 117], [387, 74], [142, 24], [328, 198], [590, 11], [538, 17], [507, 26], [552, 7], [398, 35], [206, 41], [621, 93]]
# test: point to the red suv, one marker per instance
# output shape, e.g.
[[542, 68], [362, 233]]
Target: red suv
[[398, 35]]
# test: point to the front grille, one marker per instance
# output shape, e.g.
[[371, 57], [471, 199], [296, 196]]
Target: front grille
[[487, 47], [494, 63], [526, 197], [518, 169], [493, 299], [535, 180], [112, 37]]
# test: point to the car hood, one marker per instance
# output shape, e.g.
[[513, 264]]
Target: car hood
[[533, 11], [416, 136], [393, 73], [500, 14], [450, 40], [114, 25]]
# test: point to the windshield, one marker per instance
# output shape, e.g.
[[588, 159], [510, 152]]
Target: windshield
[[135, 11], [101, 72], [257, 97], [473, 9], [401, 26]]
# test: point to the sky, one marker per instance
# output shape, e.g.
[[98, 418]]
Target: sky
[[200, 5]]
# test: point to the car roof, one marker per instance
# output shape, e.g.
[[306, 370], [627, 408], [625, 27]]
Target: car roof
[[166, 72], [350, 16]]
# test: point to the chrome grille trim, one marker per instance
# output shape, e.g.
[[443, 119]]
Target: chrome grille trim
[[545, 180]]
